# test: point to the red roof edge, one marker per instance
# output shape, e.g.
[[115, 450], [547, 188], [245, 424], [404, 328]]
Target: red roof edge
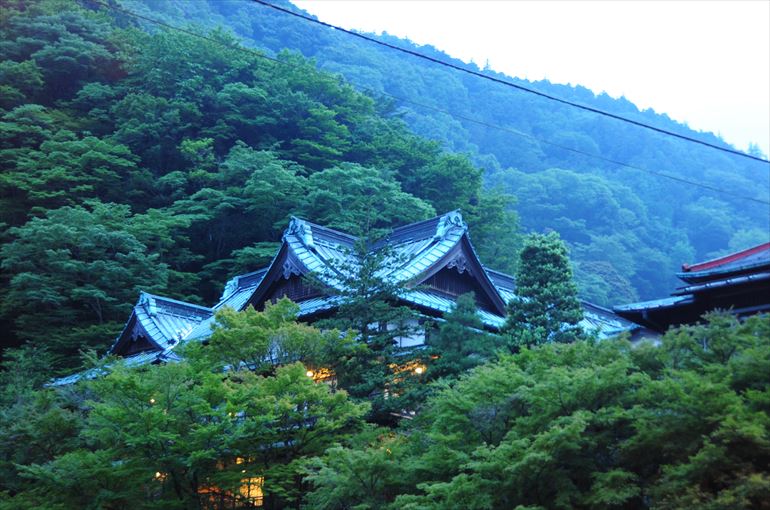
[[710, 264]]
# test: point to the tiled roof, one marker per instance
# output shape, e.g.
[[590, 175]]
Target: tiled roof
[[164, 321], [308, 248], [656, 303], [726, 282], [603, 321], [445, 304], [755, 258]]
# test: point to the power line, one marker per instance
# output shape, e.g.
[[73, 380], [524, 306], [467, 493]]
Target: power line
[[583, 153], [447, 112], [508, 83]]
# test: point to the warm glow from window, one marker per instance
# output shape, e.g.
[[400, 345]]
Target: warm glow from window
[[320, 374], [248, 495], [412, 366], [152, 401], [251, 490]]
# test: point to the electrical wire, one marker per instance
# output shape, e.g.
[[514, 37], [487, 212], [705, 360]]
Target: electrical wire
[[508, 83], [583, 153], [440, 110]]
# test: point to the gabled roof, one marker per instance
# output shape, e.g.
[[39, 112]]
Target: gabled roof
[[736, 282], [750, 260], [160, 321], [239, 289], [416, 253]]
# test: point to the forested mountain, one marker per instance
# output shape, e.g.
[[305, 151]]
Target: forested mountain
[[139, 157], [136, 156], [166, 162], [629, 230]]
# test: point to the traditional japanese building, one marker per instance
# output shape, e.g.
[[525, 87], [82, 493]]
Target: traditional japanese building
[[434, 260], [739, 283]]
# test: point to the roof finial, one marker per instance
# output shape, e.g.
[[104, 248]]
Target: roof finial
[[299, 228], [148, 301], [448, 221]]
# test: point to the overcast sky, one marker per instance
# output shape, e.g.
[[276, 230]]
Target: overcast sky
[[704, 63]]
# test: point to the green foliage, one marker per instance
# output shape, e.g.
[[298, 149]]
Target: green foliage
[[369, 307], [545, 308], [166, 436], [360, 200], [366, 477], [460, 342], [585, 199], [583, 425], [211, 149], [35, 426], [75, 274], [259, 341]]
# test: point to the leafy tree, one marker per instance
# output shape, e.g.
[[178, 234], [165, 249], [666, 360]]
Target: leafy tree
[[35, 426], [368, 474], [67, 171], [451, 182], [188, 434], [368, 305], [494, 228], [545, 308], [460, 342], [27, 125], [583, 425], [260, 341], [359, 199], [75, 273], [154, 127], [21, 81]]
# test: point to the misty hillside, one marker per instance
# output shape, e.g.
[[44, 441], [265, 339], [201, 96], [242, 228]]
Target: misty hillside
[[628, 230], [137, 156], [145, 164]]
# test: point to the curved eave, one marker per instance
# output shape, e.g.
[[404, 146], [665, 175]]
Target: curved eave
[[656, 314], [164, 322], [725, 282]]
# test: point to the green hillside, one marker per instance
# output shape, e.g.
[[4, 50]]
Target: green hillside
[[629, 230], [166, 162]]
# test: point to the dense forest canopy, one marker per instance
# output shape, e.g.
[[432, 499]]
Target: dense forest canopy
[[628, 230], [167, 162], [587, 425], [141, 157], [138, 157]]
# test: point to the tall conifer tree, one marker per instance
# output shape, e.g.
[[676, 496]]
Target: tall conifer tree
[[546, 307]]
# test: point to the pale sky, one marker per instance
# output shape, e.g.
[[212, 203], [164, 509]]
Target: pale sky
[[704, 63]]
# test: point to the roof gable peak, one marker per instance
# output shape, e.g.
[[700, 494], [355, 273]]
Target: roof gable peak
[[451, 220]]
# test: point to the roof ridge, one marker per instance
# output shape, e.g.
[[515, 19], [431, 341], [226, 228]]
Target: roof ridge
[[305, 230], [440, 224], [732, 257], [157, 297]]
